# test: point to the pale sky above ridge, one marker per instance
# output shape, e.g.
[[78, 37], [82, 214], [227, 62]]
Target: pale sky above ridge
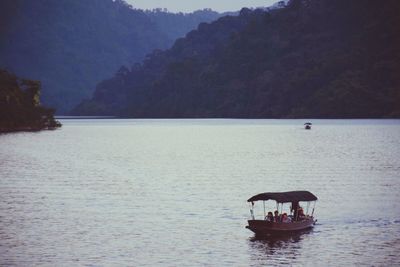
[[191, 5]]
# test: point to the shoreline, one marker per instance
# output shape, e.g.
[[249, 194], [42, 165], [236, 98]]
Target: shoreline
[[27, 129], [31, 129]]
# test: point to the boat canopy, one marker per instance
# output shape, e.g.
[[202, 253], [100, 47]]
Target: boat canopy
[[284, 197]]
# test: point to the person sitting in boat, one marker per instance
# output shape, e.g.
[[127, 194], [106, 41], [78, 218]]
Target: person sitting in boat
[[285, 218], [277, 218], [301, 214], [269, 217]]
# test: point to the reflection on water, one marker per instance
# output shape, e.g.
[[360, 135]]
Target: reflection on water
[[173, 192], [277, 248]]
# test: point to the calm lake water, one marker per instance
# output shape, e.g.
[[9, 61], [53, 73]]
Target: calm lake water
[[173, 192]]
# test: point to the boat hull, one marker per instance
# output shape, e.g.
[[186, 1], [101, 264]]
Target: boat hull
[[261, 227]]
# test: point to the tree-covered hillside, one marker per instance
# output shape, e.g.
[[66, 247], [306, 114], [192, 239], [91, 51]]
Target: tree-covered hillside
[[70, 45], [176, 25], [20, 108], [314, 58]]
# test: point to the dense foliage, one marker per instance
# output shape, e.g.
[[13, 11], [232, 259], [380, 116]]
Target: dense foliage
[[314, 58], [70, 45], [20, 108], [176, 25]]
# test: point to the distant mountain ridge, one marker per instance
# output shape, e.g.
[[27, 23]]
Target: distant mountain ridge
[[313, 58], [70, 45], [177, 25]]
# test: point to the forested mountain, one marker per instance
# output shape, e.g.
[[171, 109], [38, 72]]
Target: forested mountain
[[20, 108], [176, 25], [314, 58], [70, 45]]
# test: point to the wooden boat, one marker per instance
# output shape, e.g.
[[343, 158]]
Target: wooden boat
[[307, 125], [296, 221]]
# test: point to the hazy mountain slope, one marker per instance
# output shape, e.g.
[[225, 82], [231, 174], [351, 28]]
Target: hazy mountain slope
[[128, 89], [70, 45], [176, 25], [325, 58]]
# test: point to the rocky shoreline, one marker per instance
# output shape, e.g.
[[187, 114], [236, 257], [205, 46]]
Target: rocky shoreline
[[30, 128]]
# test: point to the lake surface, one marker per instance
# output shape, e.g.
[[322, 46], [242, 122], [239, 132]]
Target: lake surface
[[173, 192]]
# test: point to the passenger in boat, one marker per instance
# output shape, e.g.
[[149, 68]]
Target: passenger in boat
[[285, 218], [269, 217], [301, 213], [277, 218]]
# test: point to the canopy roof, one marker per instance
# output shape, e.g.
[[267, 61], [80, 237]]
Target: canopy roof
[[284, 197]]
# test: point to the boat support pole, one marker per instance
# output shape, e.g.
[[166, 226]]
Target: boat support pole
[[252, 210], [312, 214], [264, 207]]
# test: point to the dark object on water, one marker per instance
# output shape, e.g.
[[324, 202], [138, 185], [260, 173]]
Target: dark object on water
[[297, 223], [307, 125]]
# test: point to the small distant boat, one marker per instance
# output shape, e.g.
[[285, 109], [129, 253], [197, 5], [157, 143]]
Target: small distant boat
[[298, 220], [307, 125]]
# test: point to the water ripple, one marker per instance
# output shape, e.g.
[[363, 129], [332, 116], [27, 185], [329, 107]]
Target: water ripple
[[173, 193]]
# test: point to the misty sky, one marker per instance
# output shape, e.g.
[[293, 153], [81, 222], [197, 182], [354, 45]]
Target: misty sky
[[190, 5]]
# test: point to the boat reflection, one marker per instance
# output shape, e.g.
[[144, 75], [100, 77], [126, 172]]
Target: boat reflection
[[292, 237], [277, 249]]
